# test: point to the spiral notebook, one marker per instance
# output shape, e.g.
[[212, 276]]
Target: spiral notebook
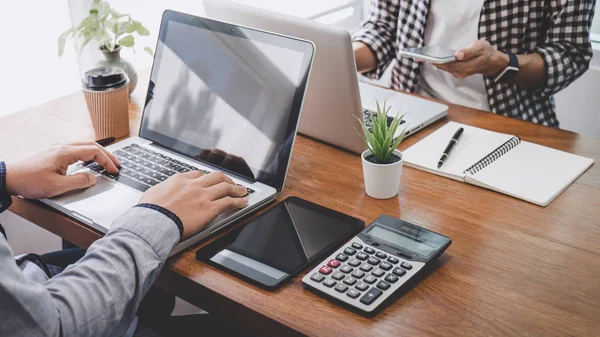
[[499, 162]]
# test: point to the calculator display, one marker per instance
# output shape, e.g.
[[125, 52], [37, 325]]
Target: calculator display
[[419, 241]]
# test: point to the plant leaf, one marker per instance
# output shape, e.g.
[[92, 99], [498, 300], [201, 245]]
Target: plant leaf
[[149, 51], [103, 10], [86, 40], [362, 138], [127, 41], [143, 31], [379, 138], [133, 26], [116, 15], [62, 40]]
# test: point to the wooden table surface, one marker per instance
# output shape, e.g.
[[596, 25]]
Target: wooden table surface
[[513, 268]]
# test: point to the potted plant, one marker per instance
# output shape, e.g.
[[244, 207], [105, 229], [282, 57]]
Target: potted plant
[[382, 161], [112, 31]]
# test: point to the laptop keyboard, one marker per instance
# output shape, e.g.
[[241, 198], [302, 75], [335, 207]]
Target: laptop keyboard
[[142, 168], [368, 120]]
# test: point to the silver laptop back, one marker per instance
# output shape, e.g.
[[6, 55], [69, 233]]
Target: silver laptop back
[[333, 97]]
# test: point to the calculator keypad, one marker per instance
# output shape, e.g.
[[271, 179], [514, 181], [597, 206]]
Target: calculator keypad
[[371, 296], [317, 277], [399, 272], [353, 293], [378, 272], [325, 270], [374, 261], [350, 281], [338, 275], [366, 267], [341, 257], [360, 274], [370, 279], [333, 263], [385, 266], [354, 263], [362, 256], [329, 283], [391, 278], [383, 285], [341, 288], [349, 251], [362, 286]]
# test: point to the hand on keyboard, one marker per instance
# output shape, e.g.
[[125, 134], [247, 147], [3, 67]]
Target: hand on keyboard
[[197, 199], [142, 168], [43, 175]]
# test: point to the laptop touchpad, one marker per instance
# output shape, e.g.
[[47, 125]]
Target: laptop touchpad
[[103, 202]]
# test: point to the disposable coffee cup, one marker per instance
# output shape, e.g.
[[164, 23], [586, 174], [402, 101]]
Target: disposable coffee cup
[[106, 93]]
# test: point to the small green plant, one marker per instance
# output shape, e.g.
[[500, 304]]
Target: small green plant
[[109, 28], [379, 137]]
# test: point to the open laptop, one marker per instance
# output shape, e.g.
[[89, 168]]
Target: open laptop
[[334, 95], [221, 97]]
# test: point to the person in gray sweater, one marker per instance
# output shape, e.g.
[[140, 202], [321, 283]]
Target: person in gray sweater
[[99, 295]]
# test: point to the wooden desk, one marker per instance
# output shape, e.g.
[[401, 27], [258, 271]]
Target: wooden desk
[[513, 269]]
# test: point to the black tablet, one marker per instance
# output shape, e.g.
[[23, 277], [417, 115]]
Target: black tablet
[[281, 242]]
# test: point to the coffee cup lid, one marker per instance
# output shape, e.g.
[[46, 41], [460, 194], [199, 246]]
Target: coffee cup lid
[[104, 78]]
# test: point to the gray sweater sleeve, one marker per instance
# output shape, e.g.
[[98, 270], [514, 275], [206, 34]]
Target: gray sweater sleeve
[[100, 294]]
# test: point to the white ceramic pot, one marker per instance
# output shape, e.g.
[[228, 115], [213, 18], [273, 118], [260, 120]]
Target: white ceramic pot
[[382, 181]]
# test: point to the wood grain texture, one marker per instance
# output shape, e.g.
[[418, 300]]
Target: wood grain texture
[[514, 268]]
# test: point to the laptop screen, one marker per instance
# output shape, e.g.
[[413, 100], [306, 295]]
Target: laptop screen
[[227, 95]]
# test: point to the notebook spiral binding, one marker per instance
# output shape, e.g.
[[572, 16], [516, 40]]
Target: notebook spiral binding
[[493, 156]]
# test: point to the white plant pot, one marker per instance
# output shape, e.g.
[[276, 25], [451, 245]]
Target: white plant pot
[[382, 181]]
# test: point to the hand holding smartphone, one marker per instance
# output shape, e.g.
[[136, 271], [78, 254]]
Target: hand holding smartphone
[[430, 54]]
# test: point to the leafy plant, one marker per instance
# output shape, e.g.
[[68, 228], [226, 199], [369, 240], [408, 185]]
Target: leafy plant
[[379, 137], [109, 28]]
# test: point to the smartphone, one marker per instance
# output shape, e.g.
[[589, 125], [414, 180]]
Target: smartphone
[[430, 54]]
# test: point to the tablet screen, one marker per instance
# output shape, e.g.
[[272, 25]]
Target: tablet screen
[[287, 238]]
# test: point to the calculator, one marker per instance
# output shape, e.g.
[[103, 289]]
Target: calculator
[[375, 264]]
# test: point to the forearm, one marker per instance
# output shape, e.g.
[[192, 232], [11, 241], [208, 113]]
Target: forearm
[[378, 35], [531, 69], [365, 59], [100, 294]]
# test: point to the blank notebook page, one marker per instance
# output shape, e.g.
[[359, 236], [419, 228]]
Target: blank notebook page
[[473, 145], [533, 172]]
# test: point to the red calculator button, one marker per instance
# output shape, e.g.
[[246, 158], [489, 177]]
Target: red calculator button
[[334, 263], [325, 270]]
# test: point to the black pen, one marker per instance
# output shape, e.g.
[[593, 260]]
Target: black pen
[[450, 146]]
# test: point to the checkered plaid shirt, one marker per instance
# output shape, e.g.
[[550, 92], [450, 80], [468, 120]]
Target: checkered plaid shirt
[[558, 30]]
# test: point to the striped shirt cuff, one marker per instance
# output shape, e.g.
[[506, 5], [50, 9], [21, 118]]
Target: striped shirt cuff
[[5, 199], [167, 213]]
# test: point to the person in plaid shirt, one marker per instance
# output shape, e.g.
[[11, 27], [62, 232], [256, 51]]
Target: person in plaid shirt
[[547, 40]]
